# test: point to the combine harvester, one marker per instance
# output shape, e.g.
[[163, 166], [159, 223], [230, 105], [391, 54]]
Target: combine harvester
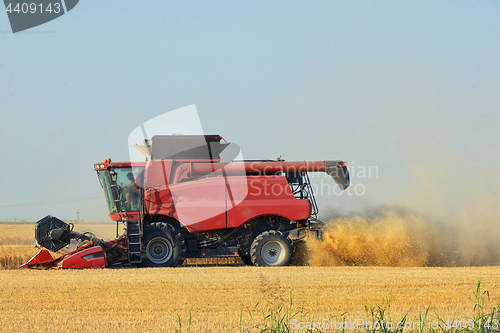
[[183, 202]]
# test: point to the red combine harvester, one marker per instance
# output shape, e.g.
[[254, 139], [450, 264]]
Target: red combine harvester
[[184, 202]]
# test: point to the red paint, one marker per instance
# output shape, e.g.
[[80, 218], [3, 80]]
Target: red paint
[[91, 257], [132, 216], [210, 195], [43, 259], [43, 256]]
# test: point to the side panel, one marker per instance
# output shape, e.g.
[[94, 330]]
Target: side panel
[[267, 195], [199, 205], [91, 257], [157, 173]]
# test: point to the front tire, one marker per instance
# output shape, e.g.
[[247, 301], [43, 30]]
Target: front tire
[[164, 246], [272, 248]]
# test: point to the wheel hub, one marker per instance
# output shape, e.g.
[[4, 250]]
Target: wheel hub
[[159, 250], [273, 253]]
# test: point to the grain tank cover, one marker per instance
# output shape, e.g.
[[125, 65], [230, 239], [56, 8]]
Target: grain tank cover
[[199, 147]]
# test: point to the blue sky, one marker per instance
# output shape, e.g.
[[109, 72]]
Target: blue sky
[[409, 87]]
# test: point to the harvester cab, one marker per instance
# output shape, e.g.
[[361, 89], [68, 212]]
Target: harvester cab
[[188, 200]]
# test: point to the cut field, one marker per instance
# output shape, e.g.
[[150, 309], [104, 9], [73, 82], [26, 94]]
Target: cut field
[[215, 298], [110, 300]]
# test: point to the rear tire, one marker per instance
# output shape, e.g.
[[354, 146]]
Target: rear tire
[[164, 246], [272, 248]]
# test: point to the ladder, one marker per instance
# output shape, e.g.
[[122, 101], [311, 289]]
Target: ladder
[[134, 241], [134, 235]]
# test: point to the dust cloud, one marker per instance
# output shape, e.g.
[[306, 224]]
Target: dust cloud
[[443, 210], [388, 240], [402, 238]]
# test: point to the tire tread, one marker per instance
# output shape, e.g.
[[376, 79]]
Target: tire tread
[[169, 229], [260, 237]]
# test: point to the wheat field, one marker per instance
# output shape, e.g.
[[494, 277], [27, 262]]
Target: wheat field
[[221, 294], [143, 300], [17, 234]]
